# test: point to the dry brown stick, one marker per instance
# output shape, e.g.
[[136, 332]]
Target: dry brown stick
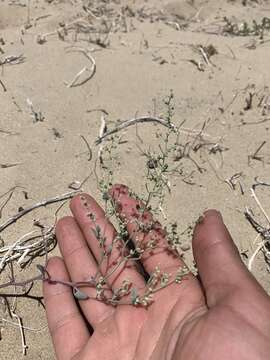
[[98, 109], [255, 253], [21, 283], [259, 148], [232, 101], [253, 194], [204, 55], [102, 131], [41, 38], [5, 203], [20, 325], [255, 155], [26, 247], [75, 82], [90, 155], [3, 85], [263, 232], [6, 166], [134, 121], [10, 323], [25, 211], [7, 192], [254, 122], [13, 60], [6, 132]]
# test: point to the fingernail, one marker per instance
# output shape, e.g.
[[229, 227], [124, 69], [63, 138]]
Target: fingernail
[[212, 213]]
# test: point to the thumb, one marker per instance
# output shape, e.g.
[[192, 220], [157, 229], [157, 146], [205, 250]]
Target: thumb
[[220, 267]]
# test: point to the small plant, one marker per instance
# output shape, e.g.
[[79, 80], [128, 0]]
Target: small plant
[[162, 161], [119, 254], [122, 252], [246, 29]]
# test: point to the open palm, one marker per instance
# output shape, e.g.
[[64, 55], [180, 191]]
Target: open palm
[[225, 315]]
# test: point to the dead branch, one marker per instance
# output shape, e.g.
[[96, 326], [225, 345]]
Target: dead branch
[[75, 82], [27, 247], [25, 211], [127, 123], [90, 155]]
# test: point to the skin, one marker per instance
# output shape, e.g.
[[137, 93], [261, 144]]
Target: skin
[[225, 314]]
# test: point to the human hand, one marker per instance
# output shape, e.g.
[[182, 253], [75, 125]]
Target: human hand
[[225, 315]]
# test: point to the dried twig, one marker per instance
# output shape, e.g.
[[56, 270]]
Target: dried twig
[[253, 194], [20, 325], [255, 155], [90, 155], [4, 203], [127, 123], [198, 64], [12, 60], [7, 132], [259, 228], [36, 115], [255, 253], [27, 247], [264, 232], [79, 25], [102, 132], [25, 211], [259, 183], [3, 85], [6, 166], [23, 326], [243, 122], [232, 181], [7, 192], [249, 101], [75, 82], [204, 55]]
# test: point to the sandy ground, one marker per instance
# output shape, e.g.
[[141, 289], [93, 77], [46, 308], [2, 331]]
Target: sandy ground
[[153, 49]]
